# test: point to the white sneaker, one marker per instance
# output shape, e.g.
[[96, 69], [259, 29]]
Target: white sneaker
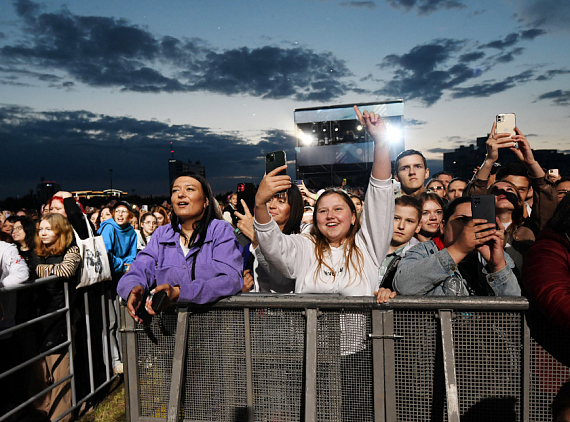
[[118, 368]]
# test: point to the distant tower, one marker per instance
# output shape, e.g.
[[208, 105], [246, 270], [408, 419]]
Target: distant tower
[[176, 167]]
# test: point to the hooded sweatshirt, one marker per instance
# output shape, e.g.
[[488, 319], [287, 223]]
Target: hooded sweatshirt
[[121, 244]]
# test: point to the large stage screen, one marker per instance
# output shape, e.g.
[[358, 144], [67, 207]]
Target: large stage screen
[[332, 134]]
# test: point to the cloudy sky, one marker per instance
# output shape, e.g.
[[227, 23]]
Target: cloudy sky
[[88, 86]]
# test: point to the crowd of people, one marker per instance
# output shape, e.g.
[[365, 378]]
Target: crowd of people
[[404, 234]]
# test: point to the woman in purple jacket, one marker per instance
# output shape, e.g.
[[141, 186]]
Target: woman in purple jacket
[[194, 259]]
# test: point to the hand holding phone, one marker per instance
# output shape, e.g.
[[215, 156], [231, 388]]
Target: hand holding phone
[[506, 124]]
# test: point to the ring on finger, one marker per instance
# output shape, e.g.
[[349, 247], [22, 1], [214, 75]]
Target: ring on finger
[[476, 236]]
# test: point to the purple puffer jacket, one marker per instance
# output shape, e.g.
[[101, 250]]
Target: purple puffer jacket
[[217, 265]]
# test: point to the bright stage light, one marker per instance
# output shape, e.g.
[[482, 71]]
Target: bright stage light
[[394, 134], [306, 139]]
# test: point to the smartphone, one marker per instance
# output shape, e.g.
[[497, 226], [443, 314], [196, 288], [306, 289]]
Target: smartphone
[[246, 191], [275, 159], [505, 123], [483, 207], [553, 172], [298, 182], [144, 208]]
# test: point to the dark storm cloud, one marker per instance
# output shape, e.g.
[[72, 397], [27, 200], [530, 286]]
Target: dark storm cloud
[[471, 57], [489, 88], [425, 7], [551, 14], [90, 144], [108, 52], [510, 56], [552, 73], [501, 44], [531, 34], [360, 4], [425, 73], [558, 97]]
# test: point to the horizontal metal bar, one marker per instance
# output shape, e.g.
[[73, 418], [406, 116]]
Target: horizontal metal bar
[[30, 285], [31, 399], [393, 336], [332, 301], [35, 320], [34, 359]]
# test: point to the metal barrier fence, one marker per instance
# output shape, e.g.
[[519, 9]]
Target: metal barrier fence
[[329, 358], [86, 315]]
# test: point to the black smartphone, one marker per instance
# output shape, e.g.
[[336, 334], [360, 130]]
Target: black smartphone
[[275, 159], [483, 207], [246, 191], [157, 302]]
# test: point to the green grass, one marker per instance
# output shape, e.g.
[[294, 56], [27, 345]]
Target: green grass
[[112, 409]]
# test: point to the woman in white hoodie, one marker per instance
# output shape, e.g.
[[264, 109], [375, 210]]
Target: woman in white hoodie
[[341, 255]]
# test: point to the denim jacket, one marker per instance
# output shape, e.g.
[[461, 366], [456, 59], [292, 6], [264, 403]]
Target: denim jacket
[[425, 270], [204, 275]]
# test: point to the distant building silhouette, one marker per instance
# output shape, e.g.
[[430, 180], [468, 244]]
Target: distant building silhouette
[[464, 159], [176, 167], [47, 189]]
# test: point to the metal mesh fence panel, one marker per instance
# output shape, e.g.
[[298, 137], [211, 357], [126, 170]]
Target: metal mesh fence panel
[[420, 387], [155, 347], [214, 386], [488, 359], [277, 350], [344, 367]]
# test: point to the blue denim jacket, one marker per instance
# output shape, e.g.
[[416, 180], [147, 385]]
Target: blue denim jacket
[[204, 275], [425, 270]]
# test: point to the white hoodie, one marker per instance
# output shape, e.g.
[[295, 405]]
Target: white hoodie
[[14, 270]]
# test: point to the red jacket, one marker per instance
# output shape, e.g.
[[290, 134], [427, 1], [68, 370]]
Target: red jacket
[[547, 275]]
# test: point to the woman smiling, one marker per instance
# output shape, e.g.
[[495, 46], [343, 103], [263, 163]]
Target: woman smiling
[[339, 256]]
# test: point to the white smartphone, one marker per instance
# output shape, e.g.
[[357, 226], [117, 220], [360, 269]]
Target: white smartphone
[[553, 172], [505, 123]]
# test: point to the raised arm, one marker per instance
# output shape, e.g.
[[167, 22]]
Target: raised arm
[[271, 184], [381, 168]]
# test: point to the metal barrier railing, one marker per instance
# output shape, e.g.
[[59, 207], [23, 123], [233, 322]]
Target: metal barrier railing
[[99, 376], [331, 358]]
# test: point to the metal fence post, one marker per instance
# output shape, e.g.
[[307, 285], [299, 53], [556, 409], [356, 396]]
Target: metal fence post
[[378, 365], [449, 366], [525, 376], [248, 364], [389, 366], [311, 366], [178, 362], [132, 408]]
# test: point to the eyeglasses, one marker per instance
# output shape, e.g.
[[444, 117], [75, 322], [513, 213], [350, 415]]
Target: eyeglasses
[[562, 192], [436, 188], [17, 229], [121, 212]]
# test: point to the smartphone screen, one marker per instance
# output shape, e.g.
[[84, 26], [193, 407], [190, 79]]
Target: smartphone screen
[[275, 159], [505, 123]]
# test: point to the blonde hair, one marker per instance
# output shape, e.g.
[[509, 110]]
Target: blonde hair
[[61, 227], [352, 254]]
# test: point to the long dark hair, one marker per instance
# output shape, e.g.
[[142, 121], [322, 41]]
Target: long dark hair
[[560, 221], [210, 213], [296, 209], [29, 227]]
